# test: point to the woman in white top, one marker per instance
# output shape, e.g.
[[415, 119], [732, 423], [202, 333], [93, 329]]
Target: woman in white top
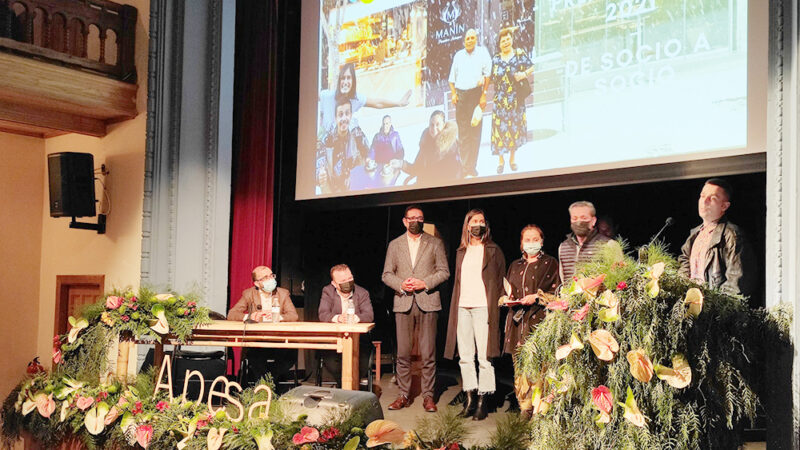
[[346, 89], [474, 313]]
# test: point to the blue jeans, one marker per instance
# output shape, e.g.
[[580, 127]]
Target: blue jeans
[[472, 335]]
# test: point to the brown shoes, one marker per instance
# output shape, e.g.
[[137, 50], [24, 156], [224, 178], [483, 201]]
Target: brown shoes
[[429, 404], [401, 402]]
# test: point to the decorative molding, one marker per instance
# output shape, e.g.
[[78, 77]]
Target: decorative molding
[[212, 140], [187, 170], [783, 216], [159, 224], [176, 80]]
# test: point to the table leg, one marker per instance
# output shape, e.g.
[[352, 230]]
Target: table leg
[[377, 345], [350, 362], [158, 357]]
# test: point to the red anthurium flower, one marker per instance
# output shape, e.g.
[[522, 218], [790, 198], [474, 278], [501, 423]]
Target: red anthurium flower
[[602, 399], [559, 305], [83, 403], [143, 435], [591, 283], [580, 314], [306, 434], [114, 302]]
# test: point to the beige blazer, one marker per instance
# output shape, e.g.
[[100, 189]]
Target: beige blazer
[[251, 301]]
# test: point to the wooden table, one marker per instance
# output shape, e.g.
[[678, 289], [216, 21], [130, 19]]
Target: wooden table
[[311, 335]]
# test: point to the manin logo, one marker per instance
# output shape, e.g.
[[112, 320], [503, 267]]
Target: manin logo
[[450, 13], [452, 30]]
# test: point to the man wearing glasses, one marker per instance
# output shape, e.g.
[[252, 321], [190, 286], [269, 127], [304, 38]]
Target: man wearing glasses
[[255, 305], [416, 264]]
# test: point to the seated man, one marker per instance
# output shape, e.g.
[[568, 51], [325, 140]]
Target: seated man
[[333, 308], [255, 305]]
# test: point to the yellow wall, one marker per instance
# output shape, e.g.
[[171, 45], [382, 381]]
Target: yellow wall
[[21, 196], [117, 254]]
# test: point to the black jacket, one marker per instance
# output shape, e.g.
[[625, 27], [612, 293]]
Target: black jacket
[[729, 260]]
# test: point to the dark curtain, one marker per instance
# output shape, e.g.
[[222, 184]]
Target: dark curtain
[[255, 99]]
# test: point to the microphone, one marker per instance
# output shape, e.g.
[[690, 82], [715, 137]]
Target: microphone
[[667, 223]]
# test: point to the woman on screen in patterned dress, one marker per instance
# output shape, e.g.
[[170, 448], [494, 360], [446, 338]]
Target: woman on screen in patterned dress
[[509, 125]]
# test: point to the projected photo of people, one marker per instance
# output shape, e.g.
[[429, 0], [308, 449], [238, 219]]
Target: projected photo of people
[[464, 91]]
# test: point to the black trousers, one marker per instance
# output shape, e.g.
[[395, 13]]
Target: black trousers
[[469, 137], [332, 361], [276, 361]]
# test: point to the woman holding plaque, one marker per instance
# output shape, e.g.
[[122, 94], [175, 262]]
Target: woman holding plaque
[[535, 271], [474, 312], [510, 70]]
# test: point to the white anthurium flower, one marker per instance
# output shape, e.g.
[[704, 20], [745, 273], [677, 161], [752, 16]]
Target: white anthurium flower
[[77, 326], [95, 418]]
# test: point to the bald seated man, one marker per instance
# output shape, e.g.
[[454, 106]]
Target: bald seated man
[[255, 305]]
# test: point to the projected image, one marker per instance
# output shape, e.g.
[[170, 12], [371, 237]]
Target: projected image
[[417, 94]]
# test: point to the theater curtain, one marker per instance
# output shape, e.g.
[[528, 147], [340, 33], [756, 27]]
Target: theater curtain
[[257, 47]]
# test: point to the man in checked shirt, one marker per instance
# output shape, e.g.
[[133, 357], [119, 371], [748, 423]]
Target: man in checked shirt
[[717, 252]]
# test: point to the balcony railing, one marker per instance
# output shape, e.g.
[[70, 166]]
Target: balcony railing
[[95, 35]]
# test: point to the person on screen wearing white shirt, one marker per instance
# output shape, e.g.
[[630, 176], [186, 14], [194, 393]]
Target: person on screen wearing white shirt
[[469, 80], [340, 151], [346, 90]]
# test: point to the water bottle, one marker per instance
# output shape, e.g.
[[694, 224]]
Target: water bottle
[[351, 311], [276, 310]]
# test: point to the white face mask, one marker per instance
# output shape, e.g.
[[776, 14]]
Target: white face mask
[[531, 248], [269, 285]]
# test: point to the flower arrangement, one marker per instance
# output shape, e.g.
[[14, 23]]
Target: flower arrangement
[[632, 355]]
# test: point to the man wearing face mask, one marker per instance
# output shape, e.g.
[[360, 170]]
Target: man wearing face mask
[[255, 305], [333, 307], [716, 251], [583, 243], [416, 264], [337, 295]]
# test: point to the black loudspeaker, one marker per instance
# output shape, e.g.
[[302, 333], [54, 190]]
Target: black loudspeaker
[[71, 180]]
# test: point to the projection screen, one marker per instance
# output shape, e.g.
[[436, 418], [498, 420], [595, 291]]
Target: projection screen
[[412, 94]]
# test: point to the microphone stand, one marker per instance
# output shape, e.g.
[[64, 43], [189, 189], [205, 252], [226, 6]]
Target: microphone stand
[[643, 249]]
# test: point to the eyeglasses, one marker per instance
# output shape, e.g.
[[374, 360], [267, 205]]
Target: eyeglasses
[[416, 219], [267, 277]]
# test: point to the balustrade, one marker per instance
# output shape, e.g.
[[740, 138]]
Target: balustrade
[[96, 35]]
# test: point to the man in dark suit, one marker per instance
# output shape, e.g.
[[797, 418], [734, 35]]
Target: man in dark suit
[[333, 307], [416, 264], [255, 305], [337, 295]]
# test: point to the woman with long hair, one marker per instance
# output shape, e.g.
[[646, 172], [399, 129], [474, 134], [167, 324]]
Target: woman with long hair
[[346, 88], [535, 271], [474, 312], [509, 124]]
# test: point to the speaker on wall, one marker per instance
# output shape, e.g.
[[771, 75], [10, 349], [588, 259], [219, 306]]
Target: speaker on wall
[[71, 181]]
